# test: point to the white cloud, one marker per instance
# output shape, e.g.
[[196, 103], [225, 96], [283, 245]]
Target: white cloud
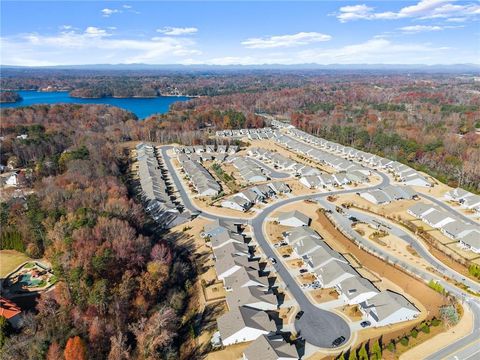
[[413, 29], [127, 6], [279, 41], [177, 31], [109, 12], [425, 9], [93, 45]]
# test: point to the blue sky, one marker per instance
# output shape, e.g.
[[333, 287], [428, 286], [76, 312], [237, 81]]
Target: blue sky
[[225, 33]]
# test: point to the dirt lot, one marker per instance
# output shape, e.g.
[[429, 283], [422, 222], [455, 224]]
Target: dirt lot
[[351, 311], [323, 295]]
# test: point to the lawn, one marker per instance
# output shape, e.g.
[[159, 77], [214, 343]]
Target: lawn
[[10, 260]]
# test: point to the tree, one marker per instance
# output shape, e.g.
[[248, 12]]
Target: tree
[[75, 349], [54, 352], [362, 353], [376, 350], [4, 330], [352, 355]]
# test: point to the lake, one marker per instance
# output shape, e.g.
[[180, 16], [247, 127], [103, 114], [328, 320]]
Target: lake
[[142, 107]]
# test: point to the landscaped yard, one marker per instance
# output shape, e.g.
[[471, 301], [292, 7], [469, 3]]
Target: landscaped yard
[[10, 260]]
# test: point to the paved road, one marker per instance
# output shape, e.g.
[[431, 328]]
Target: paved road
[[316, 324], [271, 172], [464, 347]]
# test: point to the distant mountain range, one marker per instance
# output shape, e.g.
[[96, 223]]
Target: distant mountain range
[[454, 68]]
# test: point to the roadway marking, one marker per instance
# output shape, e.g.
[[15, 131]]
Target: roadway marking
[[462, 348]]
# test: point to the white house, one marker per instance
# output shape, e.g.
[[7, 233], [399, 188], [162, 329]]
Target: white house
[[388, 307], [293, 218], [356, 290], [243, 324], [471, 241], [236, 203], [333, 273], [245, 278]]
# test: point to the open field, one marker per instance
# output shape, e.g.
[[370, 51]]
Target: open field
[[10, 260]]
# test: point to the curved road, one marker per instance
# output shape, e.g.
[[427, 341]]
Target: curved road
[[320, 327]]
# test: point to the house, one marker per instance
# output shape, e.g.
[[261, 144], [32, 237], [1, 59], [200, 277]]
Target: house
[[232, 248], [471, 241], [311, 182], [11, 311], [279, 187], [388, 307], [471, 202], [218, 226], [356, 290], [253, 297], [333, 273], [457, 229], [12, 180], [375, 196], [420, 210], [223, 238], [227, 265], [417, 180], [324, 255], [270, 348], [437, 218], [457, 195], [237, 202], [263, 191], [301, 232], [306, 245], [293, 218], [251, 196], [243, 324], [245, 278]]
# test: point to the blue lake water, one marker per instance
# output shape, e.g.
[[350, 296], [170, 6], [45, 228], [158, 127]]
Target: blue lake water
[[140, 107]]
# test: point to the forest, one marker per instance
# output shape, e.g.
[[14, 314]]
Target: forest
[[123, 287], [9, 97]]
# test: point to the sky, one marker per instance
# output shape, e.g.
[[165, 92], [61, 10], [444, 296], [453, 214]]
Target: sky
[[45, 33]]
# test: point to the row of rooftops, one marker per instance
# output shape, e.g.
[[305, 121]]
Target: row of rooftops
[[248, 169], [389, 194], [338, 179], [338, 152], [154, 187], [465, 198], [204, 183], [450, 225], [283, 162], [334, 270], [247, 298], [202, 157], [245, 199], [245, 132], [209, 148]]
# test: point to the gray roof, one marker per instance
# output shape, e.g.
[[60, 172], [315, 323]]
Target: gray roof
[[472, 239], [242, 317], [387, 303], [333, 270], [420, 208], [232, 248], [324, 254], [219, 225], [355, 286], [249, 295], [436, 216], [294, 214], [266, 348], [306, 244], [225, 263], [301, 232], [242, 276], [224, 236]]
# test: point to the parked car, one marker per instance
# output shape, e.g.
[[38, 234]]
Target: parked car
[[273, 260], [299, 315], [303, 271], [285, 256], [364, 324], [338, 341]]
